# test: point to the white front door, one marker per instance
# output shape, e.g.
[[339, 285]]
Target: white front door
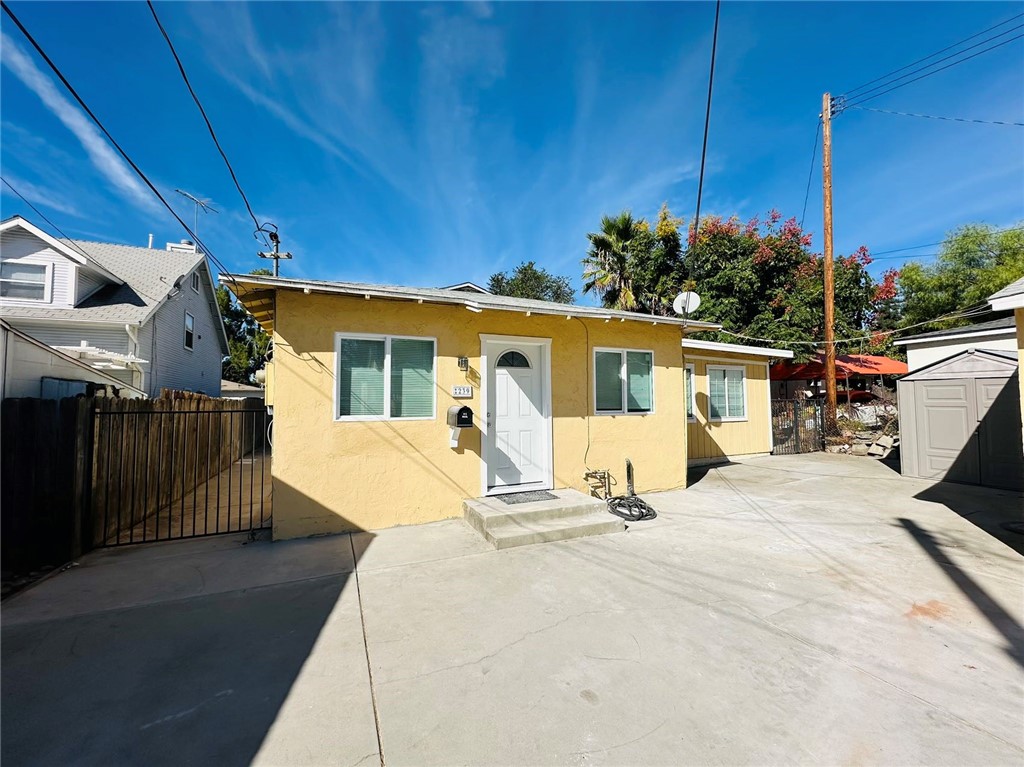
[[518, 431]]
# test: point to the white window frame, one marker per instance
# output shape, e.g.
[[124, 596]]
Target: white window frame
[[625, 381], [387, 339], [195, 281], [690, 384], [184, 332], [47, 281], [746, 399]]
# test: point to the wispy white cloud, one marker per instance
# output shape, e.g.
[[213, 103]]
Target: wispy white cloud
[[38, 195], [112, 167]]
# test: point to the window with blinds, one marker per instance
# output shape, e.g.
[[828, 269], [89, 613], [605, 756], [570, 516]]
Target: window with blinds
[[623, 381], [384, 377], [690, 408], [727, 393]]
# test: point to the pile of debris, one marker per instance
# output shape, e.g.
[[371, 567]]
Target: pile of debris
[[871, 429]]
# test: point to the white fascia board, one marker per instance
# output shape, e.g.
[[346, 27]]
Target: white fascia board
[[63, 248], [755, 351], [1008, 332], [1007, 302]]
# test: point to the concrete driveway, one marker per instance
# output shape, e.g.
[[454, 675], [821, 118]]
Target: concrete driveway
[[806, 609]]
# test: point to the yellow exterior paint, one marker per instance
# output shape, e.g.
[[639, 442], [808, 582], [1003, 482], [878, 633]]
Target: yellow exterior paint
[[332, 476], [1019, 317], [710, 441]]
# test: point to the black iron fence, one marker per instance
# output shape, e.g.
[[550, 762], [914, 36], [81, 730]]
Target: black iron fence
[[167, 469], [798, 426]]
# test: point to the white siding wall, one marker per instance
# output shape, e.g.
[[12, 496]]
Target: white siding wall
[[113, 338], [88, 283], [24, 365], [174, 366], [20, 246], [921, 355]]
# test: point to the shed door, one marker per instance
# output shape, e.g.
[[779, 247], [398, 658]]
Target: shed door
[[946, 425], [999, 433]]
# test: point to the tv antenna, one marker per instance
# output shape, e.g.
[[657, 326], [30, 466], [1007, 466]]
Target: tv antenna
[[204, 204]]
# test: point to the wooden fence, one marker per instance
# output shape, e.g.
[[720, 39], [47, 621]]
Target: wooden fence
[[77, 473]]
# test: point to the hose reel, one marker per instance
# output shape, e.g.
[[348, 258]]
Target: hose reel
[[630, 507]]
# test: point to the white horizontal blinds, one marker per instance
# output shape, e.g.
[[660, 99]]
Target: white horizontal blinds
[[412, 378], [736, 407], [608, 381], [717, 392], [361, 377], [23, 280], [689, 392], [726, 389], [638, 382]]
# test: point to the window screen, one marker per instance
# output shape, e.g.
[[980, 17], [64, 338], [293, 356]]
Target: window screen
[[726, 393], [361, 377], [412, 378]]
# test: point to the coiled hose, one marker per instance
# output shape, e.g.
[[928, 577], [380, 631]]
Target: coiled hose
[[630, 507]]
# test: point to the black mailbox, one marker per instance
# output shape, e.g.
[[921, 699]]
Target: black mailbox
[[460, 417]]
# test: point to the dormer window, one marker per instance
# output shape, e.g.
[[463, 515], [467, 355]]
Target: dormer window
[[195, 281], [25, 282]]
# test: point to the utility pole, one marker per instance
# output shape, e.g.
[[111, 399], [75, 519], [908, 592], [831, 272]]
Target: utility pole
[[826, 182], [277, 255]]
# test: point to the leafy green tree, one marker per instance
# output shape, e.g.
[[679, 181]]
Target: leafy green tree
[[528, 281], [247, 341], [973, 263]]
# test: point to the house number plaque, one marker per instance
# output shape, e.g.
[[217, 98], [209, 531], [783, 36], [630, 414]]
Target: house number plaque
[[462, 392]]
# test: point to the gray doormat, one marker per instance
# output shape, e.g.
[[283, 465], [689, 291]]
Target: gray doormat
[[533, 495]]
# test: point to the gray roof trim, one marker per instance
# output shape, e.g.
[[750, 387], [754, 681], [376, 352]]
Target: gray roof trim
[[1000, 326], [472, 301], [1010, 297]]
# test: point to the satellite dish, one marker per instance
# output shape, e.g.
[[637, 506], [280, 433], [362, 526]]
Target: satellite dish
[[686, 303]]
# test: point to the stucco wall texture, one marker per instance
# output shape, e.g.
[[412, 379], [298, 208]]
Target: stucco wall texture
[[332, 476]]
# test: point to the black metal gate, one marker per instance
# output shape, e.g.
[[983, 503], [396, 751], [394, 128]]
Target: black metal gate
[[169, 469], [798, 426]]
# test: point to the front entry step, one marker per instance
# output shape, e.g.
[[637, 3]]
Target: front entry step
[[570, 514]]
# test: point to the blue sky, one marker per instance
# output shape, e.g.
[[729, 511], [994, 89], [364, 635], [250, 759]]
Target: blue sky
[[431, 144]]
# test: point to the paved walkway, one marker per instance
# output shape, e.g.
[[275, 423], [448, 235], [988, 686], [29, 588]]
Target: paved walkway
[[799, 609], [238, 499]]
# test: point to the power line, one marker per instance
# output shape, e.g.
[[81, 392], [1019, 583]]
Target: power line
[[859, 100], [932, 244], [978, 310], [206, 119], [112, 140], [933, 55], [707, 120], [936, 117], [810, 173]]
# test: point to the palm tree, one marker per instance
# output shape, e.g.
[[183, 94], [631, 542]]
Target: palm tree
[[605, 269]]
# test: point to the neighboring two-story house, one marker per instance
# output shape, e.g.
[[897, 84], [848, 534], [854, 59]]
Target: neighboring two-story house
[[144, 316]]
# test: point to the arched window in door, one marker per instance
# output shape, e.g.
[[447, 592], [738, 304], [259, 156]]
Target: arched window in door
[[513, 359]]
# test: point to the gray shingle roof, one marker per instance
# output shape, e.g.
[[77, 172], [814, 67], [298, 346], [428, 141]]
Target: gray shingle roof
[[244, 285], [148, 275], [999, 324], [1013, 289]]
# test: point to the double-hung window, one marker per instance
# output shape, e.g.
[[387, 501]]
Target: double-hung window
[[195, 281], [691, 408], [190, 331], [623, 381], [389, 377], [727, 393], [29, 282]]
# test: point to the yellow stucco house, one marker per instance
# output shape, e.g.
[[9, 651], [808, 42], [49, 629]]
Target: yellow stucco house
[[1012, 297], [370, 387]]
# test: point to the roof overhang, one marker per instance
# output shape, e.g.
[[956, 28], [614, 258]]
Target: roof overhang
[[256, 294], [17, 222], [753, 351], [1007, 302], [1007, 331]]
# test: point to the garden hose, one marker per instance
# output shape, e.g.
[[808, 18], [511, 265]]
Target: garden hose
[[630, 507]]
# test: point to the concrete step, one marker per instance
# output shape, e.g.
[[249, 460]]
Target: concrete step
[[482, 513], [505, 535], [571, 514]]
